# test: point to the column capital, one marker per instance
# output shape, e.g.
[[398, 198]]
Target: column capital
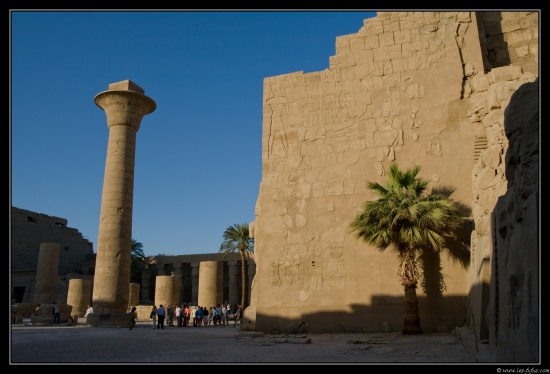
[[125, 104]]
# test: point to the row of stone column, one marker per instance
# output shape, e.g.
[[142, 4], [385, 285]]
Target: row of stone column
[[167, 287], [189, 285], [208, 275], [79, 295]]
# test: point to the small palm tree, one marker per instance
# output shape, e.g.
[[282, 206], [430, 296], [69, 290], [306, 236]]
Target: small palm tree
[[237, 239], [408, 220], [139, 260]]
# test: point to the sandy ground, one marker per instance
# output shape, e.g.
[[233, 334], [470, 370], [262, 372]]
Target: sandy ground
[[82, 344]]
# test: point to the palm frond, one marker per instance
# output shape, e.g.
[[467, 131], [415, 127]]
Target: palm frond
[[408, 218], [237, 239]]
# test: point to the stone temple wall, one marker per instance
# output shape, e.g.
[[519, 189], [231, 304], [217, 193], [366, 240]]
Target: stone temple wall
[[408, 87]]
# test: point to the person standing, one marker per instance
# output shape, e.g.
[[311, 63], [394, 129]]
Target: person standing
[[170, 315], [213, 316], [194, 316], [223, 316], [133, 317], [238, 315], [56, 313], [161, 314], [154, 316], [219, 313], [230, 313], [205, 316], [179, 315], [186, 314], [198, 316]]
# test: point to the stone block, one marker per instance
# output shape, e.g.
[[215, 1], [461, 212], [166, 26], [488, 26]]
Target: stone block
[[126, 85]]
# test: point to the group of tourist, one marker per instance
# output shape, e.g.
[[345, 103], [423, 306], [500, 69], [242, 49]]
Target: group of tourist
[[215, 315], [183, 314], [219, 315]]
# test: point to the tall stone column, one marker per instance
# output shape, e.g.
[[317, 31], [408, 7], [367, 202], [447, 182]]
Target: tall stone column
[[46, 273], [125, 105], [234, 282], [210, 284]]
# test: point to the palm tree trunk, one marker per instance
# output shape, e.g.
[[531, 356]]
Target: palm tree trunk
[[411, 324]]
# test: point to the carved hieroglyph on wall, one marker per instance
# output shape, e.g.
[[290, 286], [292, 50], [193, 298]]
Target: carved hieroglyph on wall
[[309, 263]]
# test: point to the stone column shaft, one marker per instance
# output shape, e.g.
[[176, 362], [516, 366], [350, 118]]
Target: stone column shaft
[[79, 296], [46, 273], [125, 105], [167, 290], [210, 283]]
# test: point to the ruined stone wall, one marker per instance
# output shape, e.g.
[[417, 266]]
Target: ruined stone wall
[[491, 94], [29, 229], [512, 38], [405, 88]]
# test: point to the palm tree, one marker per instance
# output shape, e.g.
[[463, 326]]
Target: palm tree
[[410, 221], [139, 260], [237, 239]]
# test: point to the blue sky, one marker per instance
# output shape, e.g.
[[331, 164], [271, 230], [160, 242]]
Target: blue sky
[[198, 155]]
